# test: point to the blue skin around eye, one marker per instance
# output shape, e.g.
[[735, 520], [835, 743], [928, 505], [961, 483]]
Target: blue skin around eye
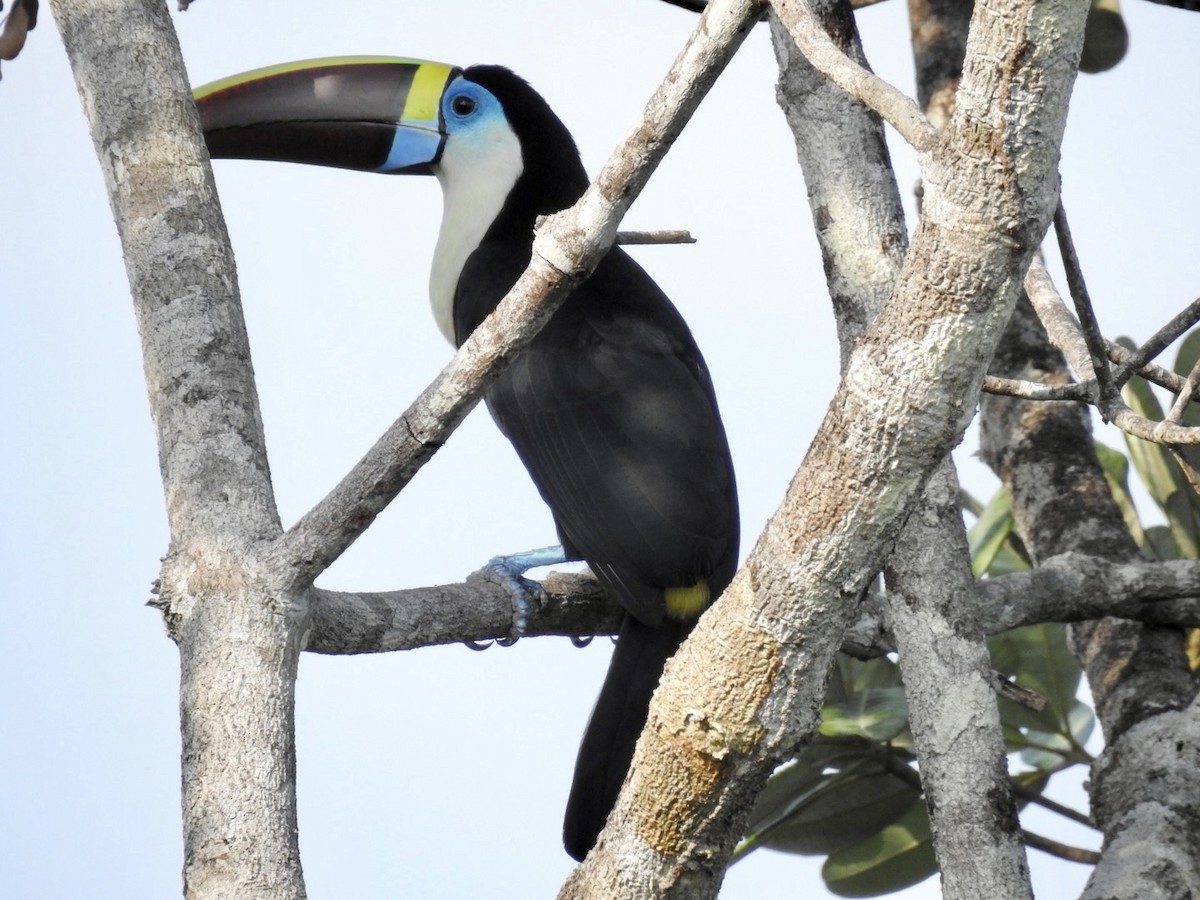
[[487, 107], [419, 144]]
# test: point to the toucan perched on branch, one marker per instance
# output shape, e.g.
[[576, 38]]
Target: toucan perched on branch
[[610, 407]]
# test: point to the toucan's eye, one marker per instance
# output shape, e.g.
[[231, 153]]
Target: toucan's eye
[[463, 105]]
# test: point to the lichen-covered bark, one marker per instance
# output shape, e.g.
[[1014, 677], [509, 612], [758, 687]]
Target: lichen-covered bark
[[1137, 673], [909, 388], [238, 639], [860, 227]]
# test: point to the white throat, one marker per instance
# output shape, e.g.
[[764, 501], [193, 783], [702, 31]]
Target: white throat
[[477, 171]]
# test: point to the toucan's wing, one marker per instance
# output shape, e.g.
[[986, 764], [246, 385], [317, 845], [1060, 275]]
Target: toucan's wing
[[612, 411]]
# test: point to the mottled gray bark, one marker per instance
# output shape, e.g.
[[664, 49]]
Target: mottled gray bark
[[236, 695], [956, 728], [909, 388], [236, 591], [1138, 674]]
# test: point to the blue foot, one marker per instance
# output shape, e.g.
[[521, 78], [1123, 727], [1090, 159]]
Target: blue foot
[[508, 571]]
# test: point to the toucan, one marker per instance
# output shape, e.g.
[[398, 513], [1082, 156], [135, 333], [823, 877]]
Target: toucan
[[611, 407]]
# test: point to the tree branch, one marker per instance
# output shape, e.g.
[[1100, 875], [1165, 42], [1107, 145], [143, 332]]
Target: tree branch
[[565, 250], [1065, 333], [1059, 849], [1035, 390], [897, 110], [909, 387], [1083, 310]]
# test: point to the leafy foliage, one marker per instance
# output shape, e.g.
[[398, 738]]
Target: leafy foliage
[[854, 794]]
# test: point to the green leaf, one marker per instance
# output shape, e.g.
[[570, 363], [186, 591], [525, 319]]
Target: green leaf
[[896, 857], [865, 699], [1160, 474], [1116, 472], [989, 533], [1160, 544], [1037, 658], [995, 547], [850, 807], [878, 713]]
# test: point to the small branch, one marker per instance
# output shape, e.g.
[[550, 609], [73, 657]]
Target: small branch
[[564, 253], [1012, 691], [1083, 308], [1155, 374], [1036, 390], [1062, 851], [472, 611], [1064, 334], [678, 236], [1161, 339], [1068, 588], [1187, 393], [1061, 327], [897, 109], [1073, 587], [1030, 795]]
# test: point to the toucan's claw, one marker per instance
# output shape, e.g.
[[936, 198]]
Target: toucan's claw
[[478, 645], [527, 595], [581, 640]]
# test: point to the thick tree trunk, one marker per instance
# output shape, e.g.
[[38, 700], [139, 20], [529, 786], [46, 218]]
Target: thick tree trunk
[[238, 636]]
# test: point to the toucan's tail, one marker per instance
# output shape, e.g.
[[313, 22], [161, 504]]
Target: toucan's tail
[[613, 729]]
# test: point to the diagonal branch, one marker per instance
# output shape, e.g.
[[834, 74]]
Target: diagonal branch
[[1083, 309], [565, 250], [898, 110], [1065, 334], [909, 388]]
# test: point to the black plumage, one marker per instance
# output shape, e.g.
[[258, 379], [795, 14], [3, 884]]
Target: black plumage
[[610, 407], [612, 411]]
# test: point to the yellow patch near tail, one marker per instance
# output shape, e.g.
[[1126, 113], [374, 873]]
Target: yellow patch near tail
[[686, 602]]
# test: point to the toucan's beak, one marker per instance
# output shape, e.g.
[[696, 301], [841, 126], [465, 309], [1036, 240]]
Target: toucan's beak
[[372, 113]]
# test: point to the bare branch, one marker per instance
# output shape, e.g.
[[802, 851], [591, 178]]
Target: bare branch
[[565, 251], [900, 111], [1083, 310], [1187, 393], [1161, 339], [471, 611], [678, 236], [1064, 333], [1073, 587], [1164, 378], [1035, 390], [1062, 851]]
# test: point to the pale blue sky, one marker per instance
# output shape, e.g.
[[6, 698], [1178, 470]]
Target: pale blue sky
[[439, 773]]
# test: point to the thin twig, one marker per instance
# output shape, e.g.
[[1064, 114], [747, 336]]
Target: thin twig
[[1159, 342], [1064, 334], [1036, 390], [1029, 794], [1083, 308], [1155, 374], [662, 236], [1062, 851], [1186, 394], [1189, 471]]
